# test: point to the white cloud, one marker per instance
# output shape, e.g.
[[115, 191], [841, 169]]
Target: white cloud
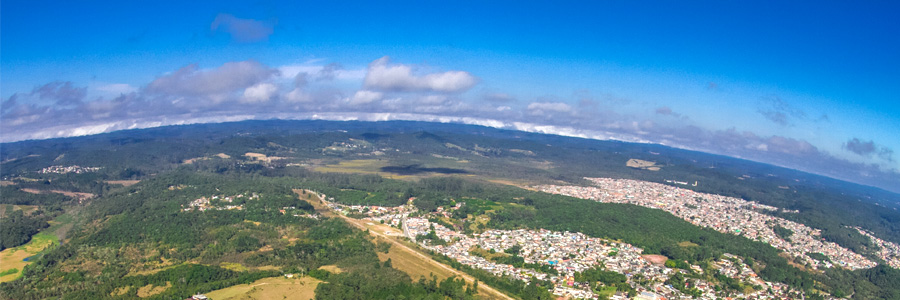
[[365, 97], [259, 93], [400, 77], [116, 89], [291, 71], [297, 95], [212, 83], [539, 108]]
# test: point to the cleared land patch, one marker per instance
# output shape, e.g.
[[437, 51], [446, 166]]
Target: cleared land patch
[[356, 166], [655, 259], [270, 288], [150, 290], [14, 258], [642, 164], [123, 182], [331, 268], [76, 195], [262, 157]]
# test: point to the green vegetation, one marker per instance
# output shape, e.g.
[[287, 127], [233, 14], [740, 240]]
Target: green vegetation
[[782, 232], [511, 286], [602, 281], [817, 256], [135, 236], [17, 228]]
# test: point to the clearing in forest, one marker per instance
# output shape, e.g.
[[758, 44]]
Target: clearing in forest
[[270, 288], [12, 260]]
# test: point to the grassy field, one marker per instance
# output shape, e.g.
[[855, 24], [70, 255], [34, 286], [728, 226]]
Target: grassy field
[[332, 269], [150, 290], [414, 266], [357, 166], [270, 288], [13, 258]]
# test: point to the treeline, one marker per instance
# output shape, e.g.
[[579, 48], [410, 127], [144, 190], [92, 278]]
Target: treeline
[[385, 282], [14, 195], [17, 229], [533, 290]]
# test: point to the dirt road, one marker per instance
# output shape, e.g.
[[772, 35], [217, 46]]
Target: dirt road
[[483, 289]]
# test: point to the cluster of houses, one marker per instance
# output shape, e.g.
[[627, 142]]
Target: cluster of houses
[[571, 252], [391, 215], [68, 169], [217, 203], [889, 252], [724, 214]]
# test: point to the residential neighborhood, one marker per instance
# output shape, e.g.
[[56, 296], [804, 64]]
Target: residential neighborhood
[[725, 214], [68, 169], [568, 253]]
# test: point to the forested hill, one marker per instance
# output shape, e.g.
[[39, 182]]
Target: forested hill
[[132, 154], [128, 199]]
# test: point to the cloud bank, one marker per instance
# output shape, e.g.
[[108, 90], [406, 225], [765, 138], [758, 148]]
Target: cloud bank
[[384, 91]]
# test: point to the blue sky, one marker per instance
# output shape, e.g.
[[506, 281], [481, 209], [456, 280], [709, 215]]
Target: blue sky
[[812, 86]]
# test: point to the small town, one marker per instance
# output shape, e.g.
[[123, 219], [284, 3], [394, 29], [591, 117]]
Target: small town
[[68, 169], [217, 203], [569, 253], [725, 214], [889, 252]]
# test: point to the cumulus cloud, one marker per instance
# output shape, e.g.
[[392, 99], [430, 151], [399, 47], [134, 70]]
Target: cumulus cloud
[[116, 88], [868, 149], [193, 82], [242, 30], [62, 93], [365, 97], [332, 71], [260, 93], [329, 71], [398, 77], [250, 90], [541, 108]]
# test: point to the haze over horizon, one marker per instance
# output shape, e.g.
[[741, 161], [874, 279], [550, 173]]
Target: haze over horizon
[[814, 88]]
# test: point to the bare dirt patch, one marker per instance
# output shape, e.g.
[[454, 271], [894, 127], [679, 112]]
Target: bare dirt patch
[[655, 259], [270, 288], [331, 268], [76, 195], [642, 164], [150, 290], [30, 190], [123, 182], [6, 183]]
